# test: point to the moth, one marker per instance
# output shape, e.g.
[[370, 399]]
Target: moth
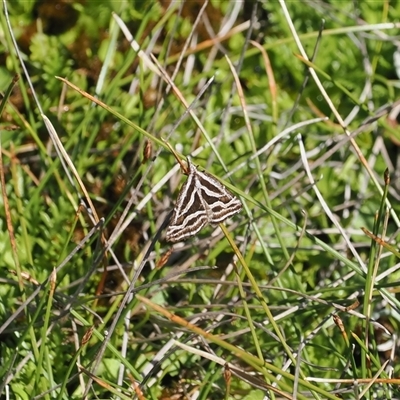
[[202, 200]]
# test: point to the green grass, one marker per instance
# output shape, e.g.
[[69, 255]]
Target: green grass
[[264, 306]]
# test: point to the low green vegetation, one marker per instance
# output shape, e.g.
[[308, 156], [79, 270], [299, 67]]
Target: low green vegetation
[[292, 107]]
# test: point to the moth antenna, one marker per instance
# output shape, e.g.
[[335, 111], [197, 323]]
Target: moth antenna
[[184, 167]]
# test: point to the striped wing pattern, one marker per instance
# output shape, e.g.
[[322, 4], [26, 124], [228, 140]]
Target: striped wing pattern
[[202, 200]]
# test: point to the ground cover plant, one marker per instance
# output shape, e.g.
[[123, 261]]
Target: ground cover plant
[[292, 106]]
